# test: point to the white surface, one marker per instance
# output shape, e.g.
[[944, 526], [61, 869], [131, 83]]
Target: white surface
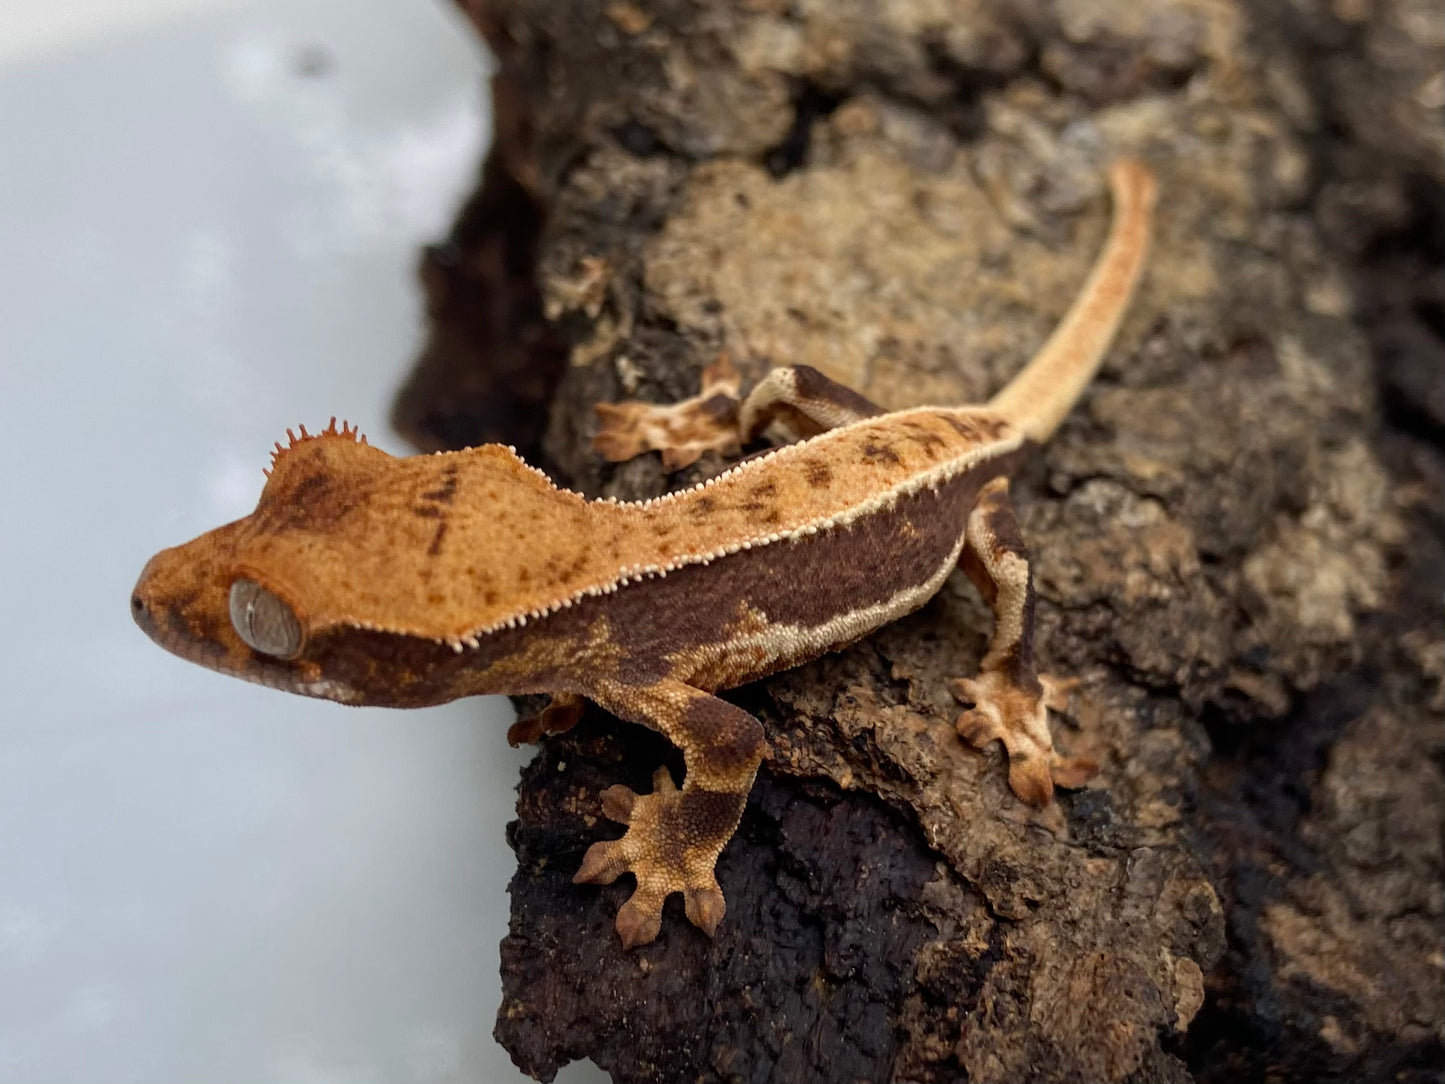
[[200, 245], [32, 29]]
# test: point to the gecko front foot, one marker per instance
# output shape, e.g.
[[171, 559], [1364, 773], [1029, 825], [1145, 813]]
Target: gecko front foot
[[1005, 709], [671, 845], [681, 431], [562, 713]]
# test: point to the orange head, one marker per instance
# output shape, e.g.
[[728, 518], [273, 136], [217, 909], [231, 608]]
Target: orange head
[[360, 575]]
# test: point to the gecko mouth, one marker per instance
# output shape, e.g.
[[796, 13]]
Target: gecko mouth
[[169, 628], [157, 623]]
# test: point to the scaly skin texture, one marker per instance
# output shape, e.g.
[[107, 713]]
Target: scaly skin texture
[[370, 579]]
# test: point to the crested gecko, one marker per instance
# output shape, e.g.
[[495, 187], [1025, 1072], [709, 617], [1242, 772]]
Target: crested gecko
[[372, 579]]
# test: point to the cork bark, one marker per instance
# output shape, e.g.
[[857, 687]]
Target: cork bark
[[1237, 535]]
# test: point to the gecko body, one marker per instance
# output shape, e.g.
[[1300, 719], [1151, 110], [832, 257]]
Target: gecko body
[[371, 579]]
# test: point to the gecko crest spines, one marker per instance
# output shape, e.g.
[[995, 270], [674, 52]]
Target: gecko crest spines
[[346, 432]]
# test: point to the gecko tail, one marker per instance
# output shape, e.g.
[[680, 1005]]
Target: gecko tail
[[1039, 398]]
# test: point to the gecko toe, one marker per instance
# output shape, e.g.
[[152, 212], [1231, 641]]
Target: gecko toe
[[978, 725], [705, 907], [675, 458], [1058, 691], [618, 802], [977, 728], [561, 714], [639, 920], [603, 863], [527, 731], [965, 690], [662, 782], [1029, 778], [619, 434], [1071, 773]]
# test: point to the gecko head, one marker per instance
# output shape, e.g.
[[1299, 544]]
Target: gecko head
[[359, 574], [213, 601], [197, 601]]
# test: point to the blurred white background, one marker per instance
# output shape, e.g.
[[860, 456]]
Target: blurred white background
[[209, 215]]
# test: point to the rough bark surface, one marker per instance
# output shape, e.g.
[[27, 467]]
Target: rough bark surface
[[1237, 536]]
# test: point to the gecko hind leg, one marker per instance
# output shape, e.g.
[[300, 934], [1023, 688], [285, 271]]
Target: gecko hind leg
[[1010, 699], [673, 836], [793, 402], [800, 402]]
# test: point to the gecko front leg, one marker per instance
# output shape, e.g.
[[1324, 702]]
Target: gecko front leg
[[674, 837], [1010, 699], [682, 431]]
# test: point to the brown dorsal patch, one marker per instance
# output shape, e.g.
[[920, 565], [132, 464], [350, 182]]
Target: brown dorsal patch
[[879, 451], [816, 473]]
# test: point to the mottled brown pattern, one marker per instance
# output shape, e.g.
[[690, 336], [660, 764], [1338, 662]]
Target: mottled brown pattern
[[447, 491], [877, 452]]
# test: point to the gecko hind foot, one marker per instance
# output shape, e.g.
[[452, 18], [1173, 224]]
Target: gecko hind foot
[[671, 845], [1005, 710], [681, 431]]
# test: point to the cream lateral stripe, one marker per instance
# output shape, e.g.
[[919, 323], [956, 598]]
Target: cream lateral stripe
[[1039, 397], [637, 573]]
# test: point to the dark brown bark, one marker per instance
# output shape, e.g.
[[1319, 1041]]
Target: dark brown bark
[[1238, 535]]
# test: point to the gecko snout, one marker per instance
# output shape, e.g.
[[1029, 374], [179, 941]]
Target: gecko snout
[[141, 612], [146, 605], [179, 601]]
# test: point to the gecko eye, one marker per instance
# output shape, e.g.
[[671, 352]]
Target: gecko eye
[[264, 621]]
